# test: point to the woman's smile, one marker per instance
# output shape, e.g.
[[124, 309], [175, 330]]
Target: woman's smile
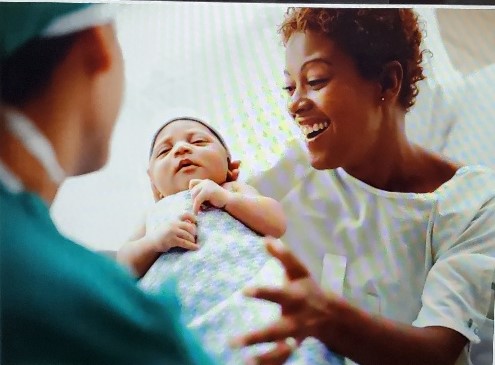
[[312, 131]]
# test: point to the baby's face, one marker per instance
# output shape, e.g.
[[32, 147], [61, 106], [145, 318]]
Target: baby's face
[[186, 150]]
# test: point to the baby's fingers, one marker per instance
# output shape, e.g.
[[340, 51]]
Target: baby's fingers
[[193, 183], [185, 235], [189, 228], [188, 217], [188, 245], [198, 201]]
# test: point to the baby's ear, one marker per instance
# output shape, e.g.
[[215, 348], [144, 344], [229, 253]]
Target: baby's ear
[[156, 193]]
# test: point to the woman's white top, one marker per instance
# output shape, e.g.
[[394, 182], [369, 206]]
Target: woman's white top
[[421, 259]]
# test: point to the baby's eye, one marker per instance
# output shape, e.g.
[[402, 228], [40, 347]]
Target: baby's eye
[[163, 151], [199, 141]]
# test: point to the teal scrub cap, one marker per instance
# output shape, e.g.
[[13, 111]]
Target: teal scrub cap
[[23, 21]]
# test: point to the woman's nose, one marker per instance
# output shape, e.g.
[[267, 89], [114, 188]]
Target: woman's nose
[[298, 104]]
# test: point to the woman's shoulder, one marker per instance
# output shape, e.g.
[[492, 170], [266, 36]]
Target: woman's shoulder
[[464, 216], [470, 186]]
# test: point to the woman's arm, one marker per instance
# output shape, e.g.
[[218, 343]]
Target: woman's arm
[[346, 330], [262, 214], [374, 340]]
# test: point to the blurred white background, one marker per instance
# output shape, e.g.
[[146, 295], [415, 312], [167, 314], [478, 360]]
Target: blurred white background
[[223, 62]]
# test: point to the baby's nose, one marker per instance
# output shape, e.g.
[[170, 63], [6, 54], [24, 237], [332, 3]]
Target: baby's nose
[[182, 147]]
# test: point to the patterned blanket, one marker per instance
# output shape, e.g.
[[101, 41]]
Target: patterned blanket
[[210, 280]]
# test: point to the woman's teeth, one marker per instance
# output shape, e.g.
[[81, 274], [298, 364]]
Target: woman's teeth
[[311, 132]]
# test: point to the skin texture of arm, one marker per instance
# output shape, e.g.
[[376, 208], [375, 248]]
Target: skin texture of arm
[[138, 253], [386, 342], [309, 311], [262, 214], [142, 252]]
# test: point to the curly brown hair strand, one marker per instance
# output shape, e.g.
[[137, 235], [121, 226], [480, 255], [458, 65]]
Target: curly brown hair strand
[[372, 37]]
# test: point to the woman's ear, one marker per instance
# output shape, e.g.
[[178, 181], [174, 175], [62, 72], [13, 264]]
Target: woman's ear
[[391, 80]]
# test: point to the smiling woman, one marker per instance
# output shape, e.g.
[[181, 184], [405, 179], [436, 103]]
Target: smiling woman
[[344, 66], [405, 247]]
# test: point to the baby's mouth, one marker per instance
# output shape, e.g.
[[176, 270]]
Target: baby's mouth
[[184, 164], [312, 131]]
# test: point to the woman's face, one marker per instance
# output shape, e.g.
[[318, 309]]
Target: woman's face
[[186, 150], [337, 110]]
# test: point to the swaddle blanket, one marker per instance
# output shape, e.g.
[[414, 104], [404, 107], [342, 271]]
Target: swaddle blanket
[[210, 281]]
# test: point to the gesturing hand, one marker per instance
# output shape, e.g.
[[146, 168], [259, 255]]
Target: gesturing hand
[[207, 191], [306, 309], [180, 233]]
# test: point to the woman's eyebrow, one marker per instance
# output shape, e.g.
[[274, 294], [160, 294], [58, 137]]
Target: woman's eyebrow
[[316, 60], [308, 62]]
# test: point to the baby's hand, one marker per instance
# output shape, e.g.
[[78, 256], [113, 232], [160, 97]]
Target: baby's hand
[[181, 233], [207, 191]]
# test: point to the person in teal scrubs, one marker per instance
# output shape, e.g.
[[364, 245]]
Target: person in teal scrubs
[[61, 90]]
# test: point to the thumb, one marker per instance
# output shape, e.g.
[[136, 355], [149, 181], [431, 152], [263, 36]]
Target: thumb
[[188, 216], [193, 183], [294, 268]]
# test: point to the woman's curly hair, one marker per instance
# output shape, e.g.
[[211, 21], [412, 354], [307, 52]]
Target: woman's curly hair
[[372, 37]]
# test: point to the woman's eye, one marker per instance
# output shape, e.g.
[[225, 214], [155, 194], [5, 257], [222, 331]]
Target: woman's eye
[[289, 89], [317, 82]]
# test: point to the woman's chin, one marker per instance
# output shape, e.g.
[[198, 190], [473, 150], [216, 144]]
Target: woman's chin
[[321, 163]]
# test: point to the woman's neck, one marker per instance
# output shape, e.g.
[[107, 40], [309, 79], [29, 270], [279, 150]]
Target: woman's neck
[[395, 164]]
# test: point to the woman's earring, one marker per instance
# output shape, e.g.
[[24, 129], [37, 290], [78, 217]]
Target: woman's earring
[[383, 98]]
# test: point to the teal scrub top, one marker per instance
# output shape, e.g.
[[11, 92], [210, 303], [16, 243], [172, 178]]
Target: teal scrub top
[[63, 304]]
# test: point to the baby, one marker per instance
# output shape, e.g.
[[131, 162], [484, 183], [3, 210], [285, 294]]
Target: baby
[[187, 154], [206, 229]]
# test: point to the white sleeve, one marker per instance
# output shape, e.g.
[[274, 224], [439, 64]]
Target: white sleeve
[[460, 286], [280, 179], [457, 294]]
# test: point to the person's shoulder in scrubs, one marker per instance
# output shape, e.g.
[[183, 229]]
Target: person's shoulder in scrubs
[[63, 304]]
